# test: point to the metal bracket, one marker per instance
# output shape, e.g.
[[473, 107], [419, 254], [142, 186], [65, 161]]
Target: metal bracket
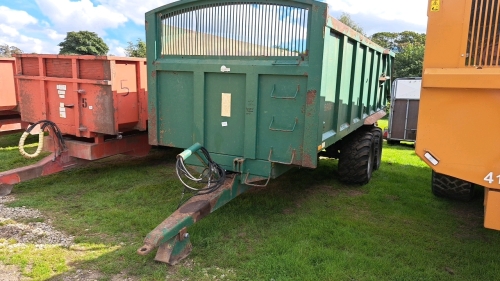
[[285, 98], [289, 163], [238, 164], [283, 130], [256, 185]]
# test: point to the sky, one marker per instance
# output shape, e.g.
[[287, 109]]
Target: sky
[[38, 26]]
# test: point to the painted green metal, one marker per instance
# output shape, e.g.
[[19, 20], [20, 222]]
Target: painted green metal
[[257, 106], [171, 235], [283, 109], [189, 151]]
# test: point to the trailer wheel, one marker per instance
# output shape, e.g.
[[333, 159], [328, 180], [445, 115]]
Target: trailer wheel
[[377, 146], [452, 188], [356, 158]]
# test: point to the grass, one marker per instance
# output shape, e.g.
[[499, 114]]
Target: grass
[[306, 225], [10, 157]]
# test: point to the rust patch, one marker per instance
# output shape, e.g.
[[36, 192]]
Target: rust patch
[[311, 97], [307, 161], [374, 117], [153, 74]]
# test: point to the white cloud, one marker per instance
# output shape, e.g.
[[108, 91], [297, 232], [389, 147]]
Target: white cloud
[[15, 17], [410, 11], [134, 9], [66, 15], [54, 35], [8, 31], [115, 48]]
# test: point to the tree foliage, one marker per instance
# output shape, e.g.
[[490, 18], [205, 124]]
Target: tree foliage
[[8, 51], [396, 41], [409, 47], [83, 43], [137, 50], [346, 19], [409, 61]]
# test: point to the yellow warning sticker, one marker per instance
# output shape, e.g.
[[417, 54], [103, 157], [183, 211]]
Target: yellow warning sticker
[[435, 5]]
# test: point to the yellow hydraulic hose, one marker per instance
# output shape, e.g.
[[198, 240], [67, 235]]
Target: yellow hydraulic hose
[[38, 150]]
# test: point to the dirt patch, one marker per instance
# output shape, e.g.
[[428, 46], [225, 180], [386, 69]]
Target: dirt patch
[[79, 275], [10, 272], [21, 226]]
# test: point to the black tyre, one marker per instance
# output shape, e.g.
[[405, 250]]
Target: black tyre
[[356, 157], [452, 188], [377, 146]]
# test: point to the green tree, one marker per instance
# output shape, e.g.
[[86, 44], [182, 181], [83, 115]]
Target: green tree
[[409, 61], [409, 47], [8, 51], [137, 50], [346, 19], [396, 40], [83, 43]]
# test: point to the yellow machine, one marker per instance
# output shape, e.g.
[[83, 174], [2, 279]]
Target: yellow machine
[[460, 101]]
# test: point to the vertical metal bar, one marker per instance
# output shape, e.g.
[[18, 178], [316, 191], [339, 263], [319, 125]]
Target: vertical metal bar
[[290, 30], [226, 29], [362, 83], [302, 31], [472, 30], [218, 24], [210, 22], [268, 34], [294, 42], [187, 25], [163, 26], [497, 33], [217, 29], [231, 29], [276, 30], [251, 12], [406, 118], [478, 31], [285, 28], [484, 22], [261, 29], [490, 26], [245, 28], [204, 44], [176, 30], [168, 31]]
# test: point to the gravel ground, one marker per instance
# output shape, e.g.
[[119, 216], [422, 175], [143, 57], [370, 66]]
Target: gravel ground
[[41, 234]]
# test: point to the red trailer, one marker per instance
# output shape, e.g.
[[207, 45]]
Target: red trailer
[[96, 107], [10, 120]]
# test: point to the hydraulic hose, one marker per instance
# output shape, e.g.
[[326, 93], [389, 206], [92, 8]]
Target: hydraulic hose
[[43, 124]]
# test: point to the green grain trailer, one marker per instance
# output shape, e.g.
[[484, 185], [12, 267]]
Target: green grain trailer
[[262, 86]]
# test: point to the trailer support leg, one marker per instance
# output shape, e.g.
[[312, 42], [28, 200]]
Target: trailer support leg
[[171, 235]]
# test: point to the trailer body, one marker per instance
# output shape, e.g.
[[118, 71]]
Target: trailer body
[[8, 100], [258, 87], [460, 99], [96, 107], [403, 114], [265, 96], [85, 96], [10, 119]]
